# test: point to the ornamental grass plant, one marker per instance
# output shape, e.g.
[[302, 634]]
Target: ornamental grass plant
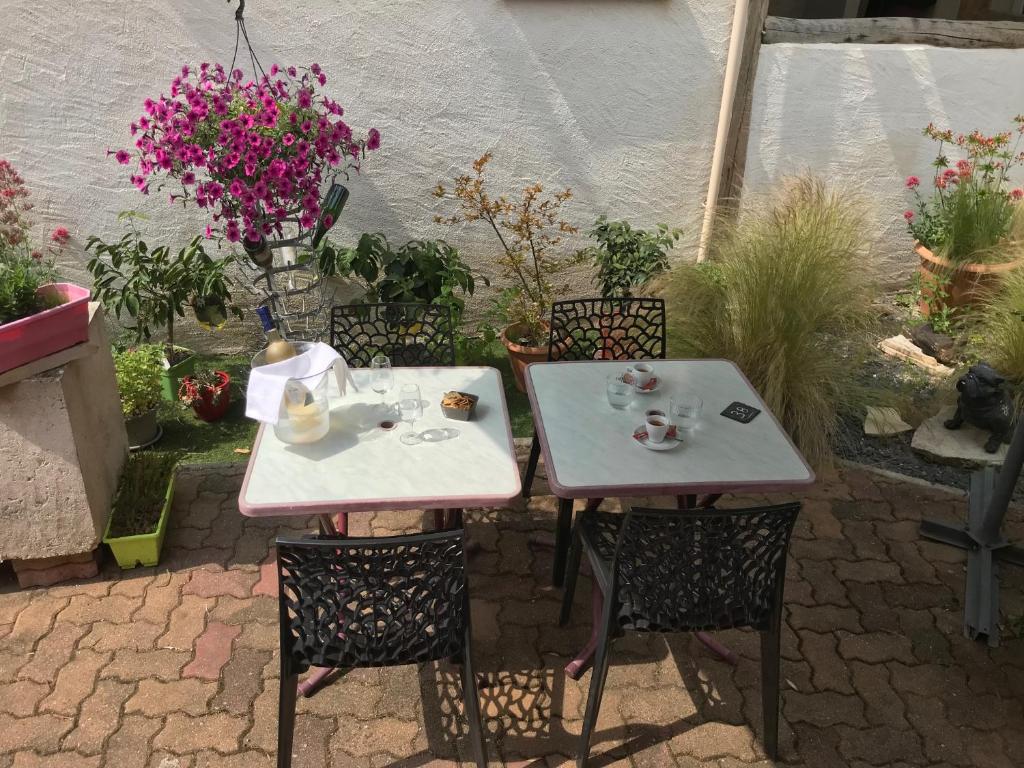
[[1000, 331], [787, 295]]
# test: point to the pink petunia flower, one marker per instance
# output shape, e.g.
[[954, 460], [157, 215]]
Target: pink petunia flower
[[373, 139]]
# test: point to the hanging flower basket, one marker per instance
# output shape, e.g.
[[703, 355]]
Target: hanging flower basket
[[49, 331]]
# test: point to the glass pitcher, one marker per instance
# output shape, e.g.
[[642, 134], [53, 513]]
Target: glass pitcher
[[305, 414]]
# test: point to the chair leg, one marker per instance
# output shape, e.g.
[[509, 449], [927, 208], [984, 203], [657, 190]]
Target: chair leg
[[597, 680], [531, 466], [471, 698], [572, 571], [770, 690], [563, 531], [286, 718]]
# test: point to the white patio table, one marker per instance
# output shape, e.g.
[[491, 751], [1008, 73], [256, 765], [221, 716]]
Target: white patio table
[[359, 467], [590, 453]]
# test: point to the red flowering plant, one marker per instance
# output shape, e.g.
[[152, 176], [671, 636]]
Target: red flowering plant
[[254, 153], [974, 213], [23, 268]]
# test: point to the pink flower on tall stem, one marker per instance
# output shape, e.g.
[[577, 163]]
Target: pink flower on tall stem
[[60, 235], [908, 215], [913, 182], [1017, 194]]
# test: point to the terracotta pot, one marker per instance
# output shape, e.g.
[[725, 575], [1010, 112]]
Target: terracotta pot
[[965, 284], [205, 408], [49, 331], [520, 355]]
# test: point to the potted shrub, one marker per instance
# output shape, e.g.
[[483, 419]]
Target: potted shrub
[[139, 379], [153, 284], [38, 316], [628, 259], [138, 521], [207, 392], [253, 153], [529, 231], [971, 229]]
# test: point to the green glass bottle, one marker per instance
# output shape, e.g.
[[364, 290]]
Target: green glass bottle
[[334, 202]]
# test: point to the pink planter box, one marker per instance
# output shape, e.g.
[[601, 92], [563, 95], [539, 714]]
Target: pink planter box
[[49, 331]]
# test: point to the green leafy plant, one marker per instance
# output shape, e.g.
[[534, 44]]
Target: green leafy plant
[[141, 493], [999, 336], [138, 372], [529, 231], [427, 271], [973, 215], [933, 292], [628, 259], [152, 285], [787, 296]]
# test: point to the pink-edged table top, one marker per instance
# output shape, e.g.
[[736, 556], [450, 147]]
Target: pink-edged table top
[[589, 450], [358, 467]]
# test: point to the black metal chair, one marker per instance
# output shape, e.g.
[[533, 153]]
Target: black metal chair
[[409, 334], [668, 571], [602, 329], [373, 603]]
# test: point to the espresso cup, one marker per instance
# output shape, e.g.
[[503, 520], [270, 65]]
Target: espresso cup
[[657, 428], [642, 374]]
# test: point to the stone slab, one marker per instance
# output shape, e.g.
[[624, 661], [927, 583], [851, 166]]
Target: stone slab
[[884, 422], [903, 348], [961, 447], [62, 446], [45, 571]]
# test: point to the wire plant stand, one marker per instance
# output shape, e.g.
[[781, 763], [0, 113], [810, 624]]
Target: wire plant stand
[[294, 291]]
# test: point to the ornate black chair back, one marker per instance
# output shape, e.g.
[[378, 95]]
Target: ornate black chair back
[[409, 334]]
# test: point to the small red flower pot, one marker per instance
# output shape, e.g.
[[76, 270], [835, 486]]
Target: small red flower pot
[[208, 403]]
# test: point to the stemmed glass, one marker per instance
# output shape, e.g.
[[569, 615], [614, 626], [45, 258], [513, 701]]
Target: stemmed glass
[[412, 408], [382, 377]]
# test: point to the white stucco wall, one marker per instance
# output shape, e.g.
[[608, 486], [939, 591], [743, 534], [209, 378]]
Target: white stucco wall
[[617, 99], [854, 114]]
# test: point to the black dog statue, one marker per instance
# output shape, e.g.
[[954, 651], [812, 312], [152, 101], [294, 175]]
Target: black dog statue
[[984, 403]]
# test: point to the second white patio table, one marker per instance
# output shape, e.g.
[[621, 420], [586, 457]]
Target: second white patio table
[[590, 453]]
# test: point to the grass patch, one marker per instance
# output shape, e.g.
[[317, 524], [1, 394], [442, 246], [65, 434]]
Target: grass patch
[[200, 443]]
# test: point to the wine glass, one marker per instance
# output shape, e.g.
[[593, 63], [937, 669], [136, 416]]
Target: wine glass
[[412, 408], [382, 377]]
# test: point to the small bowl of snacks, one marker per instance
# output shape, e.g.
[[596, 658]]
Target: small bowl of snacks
[[458, 405]]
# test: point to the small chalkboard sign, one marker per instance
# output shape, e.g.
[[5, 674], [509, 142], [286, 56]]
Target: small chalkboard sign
[[740, 412]]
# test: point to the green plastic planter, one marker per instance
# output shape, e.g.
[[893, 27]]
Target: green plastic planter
[[170, 379], [143, 549]]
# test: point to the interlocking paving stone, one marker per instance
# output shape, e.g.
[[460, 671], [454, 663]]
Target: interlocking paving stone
[[875, 669]]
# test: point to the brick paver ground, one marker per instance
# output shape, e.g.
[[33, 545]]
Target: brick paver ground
[[176, 666]]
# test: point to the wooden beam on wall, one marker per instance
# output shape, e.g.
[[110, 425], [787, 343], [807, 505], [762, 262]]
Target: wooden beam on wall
[[943, 33], [739, 127]]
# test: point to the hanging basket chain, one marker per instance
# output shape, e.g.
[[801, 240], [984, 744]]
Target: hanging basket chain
[[241, 33]]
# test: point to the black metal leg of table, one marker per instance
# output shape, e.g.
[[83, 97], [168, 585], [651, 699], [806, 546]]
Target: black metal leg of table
[[987, 501], [563, 534]]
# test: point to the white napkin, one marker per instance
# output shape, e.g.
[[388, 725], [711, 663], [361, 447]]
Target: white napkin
[[267, 383]]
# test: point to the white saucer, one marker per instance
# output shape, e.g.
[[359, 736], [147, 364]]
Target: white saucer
[[665, 445], [647, 391]]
